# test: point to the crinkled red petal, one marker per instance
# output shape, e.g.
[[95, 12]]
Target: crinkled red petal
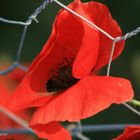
[[52, 131], [130, 133], [88, 97], [99, 14], [24, 97]]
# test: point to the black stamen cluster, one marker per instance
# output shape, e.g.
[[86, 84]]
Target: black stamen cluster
[[62, 80]]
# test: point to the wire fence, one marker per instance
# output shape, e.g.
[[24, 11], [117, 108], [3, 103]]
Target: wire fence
[[79, 129]]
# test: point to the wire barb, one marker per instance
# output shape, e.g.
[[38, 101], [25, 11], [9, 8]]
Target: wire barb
[[25, 24], [37, 11]]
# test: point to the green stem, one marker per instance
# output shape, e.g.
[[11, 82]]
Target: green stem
[[135, 102]]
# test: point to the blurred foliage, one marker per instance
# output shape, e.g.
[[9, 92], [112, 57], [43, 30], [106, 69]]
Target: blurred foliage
[[126, 12]]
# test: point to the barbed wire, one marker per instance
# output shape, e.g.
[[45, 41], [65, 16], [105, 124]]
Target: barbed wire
[[28, 22], [25, 24]]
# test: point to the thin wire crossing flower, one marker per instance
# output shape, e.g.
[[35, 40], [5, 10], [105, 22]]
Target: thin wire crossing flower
[[130, 133], [62, 82]]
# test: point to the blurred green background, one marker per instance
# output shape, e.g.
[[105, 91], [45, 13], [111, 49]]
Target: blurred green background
[[126, 12]]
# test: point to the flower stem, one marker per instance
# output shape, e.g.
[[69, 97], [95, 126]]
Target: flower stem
[[135, 102]]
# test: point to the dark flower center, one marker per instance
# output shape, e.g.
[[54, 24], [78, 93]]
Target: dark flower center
[[62, 80]]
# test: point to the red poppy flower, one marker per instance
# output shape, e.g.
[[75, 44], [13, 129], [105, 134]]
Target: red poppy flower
[[130, 133], [61, 80]]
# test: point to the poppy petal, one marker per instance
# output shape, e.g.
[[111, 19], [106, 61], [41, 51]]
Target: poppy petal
[[89, 96], [88, 53], [23, 97], [130, 133], [52, 131], [99, 14]]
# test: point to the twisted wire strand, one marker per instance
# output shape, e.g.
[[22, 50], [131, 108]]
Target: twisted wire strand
[[118, 39], [30, 18], [26, 24], [37, 11], [128, 35]]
